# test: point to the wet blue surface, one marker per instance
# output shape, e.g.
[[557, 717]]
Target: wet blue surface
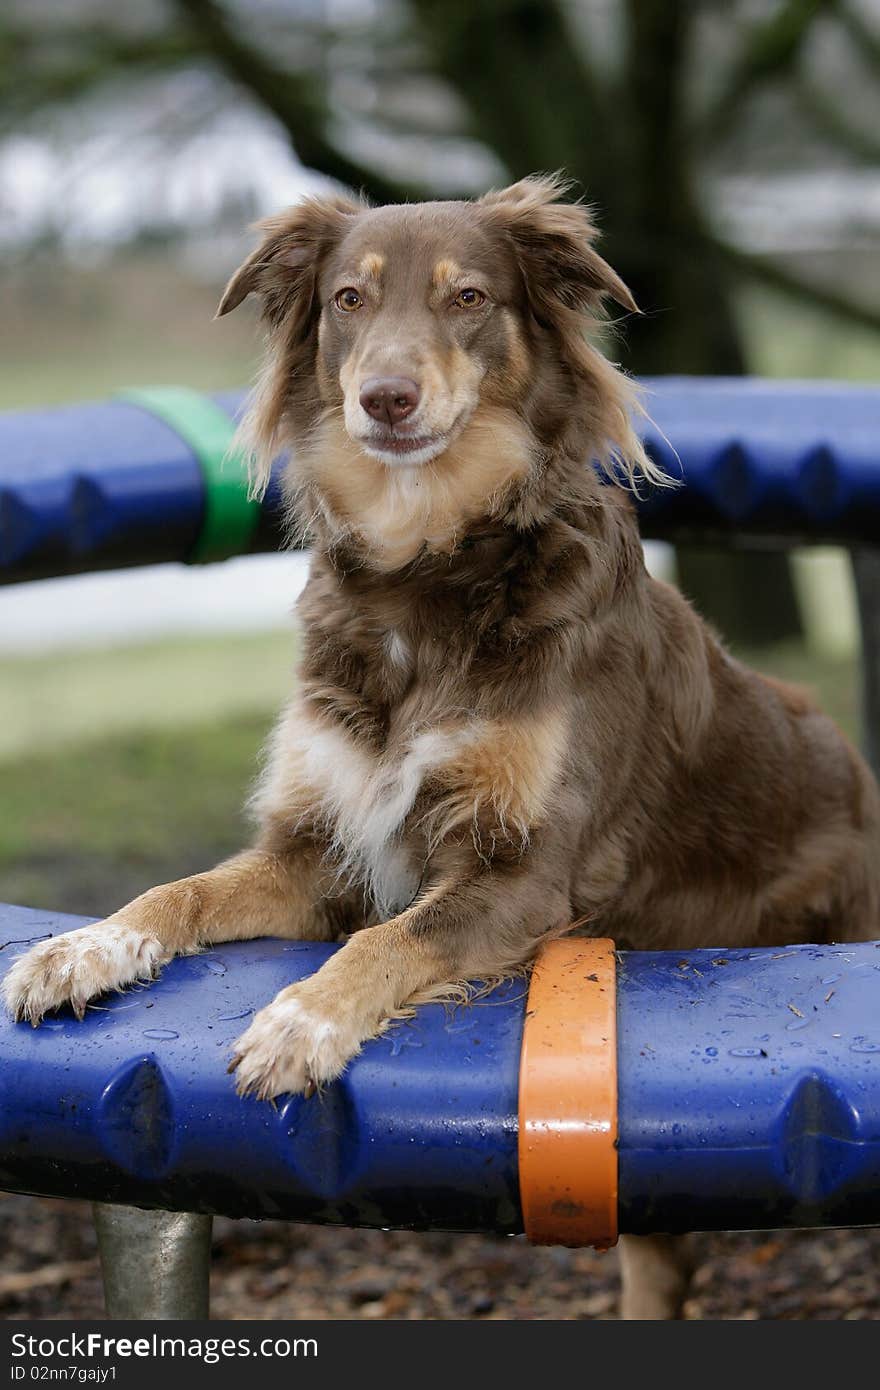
[[749, 1088], [134, 1104]]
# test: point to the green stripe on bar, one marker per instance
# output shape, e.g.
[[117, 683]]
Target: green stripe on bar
[[230, 516]]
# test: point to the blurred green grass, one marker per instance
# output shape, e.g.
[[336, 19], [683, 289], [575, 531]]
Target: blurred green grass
[[123, 767], [86, 333], [90, 827], [60, 698], [783, 338], [126, 767]]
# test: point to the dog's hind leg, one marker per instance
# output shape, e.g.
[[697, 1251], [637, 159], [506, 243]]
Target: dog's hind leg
[[655, 1275], [256, 893]]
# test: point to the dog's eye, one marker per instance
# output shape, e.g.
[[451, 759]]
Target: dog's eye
[[348, 300], [469, 299]]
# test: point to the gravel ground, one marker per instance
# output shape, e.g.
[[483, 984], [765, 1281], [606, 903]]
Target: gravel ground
[[274, 1270]]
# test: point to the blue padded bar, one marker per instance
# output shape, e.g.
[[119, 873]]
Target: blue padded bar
[[749, 1088], [796, 459], [749, 1096], [134, 1105], [101, 486], [93, 487]]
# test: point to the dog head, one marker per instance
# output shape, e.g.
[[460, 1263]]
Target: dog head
[[433, 355]]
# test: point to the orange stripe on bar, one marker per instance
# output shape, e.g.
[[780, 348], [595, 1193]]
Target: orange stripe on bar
[[568, 1096]]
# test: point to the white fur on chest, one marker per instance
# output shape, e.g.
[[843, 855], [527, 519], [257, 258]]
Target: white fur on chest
[[398, 650], [363, 798]]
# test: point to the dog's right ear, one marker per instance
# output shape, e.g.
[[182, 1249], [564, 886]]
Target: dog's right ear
[[553, 242], [283, 269]]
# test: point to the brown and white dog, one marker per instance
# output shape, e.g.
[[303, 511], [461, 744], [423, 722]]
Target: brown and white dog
[[502, 724]]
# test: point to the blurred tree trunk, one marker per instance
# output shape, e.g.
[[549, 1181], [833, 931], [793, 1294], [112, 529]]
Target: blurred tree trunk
[[689, 327], [535, 99], [670, 262]]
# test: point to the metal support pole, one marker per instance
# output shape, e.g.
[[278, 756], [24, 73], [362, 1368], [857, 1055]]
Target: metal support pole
[[156, 1264], [866, 572]]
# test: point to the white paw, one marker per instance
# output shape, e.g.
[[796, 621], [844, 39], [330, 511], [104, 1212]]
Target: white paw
[[292, 1046], [74, 968]]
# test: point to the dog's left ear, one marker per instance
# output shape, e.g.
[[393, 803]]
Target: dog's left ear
[[554, 244], [283, 269]]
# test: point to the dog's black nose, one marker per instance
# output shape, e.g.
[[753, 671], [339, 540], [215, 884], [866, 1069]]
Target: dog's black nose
[[389, 398]]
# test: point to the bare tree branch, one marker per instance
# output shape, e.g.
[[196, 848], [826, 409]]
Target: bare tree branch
[[772, 48], [778, 278], [295, 99], [94, 56], [532, 93], [867, 40], [828, 120]]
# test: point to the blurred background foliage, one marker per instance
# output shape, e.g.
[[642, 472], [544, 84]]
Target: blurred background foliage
[[677, 117], [731, 153]]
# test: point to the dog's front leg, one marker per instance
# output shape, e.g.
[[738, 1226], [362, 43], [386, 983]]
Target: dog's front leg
[[256, 893], [457, 931]]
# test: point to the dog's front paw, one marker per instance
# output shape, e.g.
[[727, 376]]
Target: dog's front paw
[[295, 1044], [74, 968]]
